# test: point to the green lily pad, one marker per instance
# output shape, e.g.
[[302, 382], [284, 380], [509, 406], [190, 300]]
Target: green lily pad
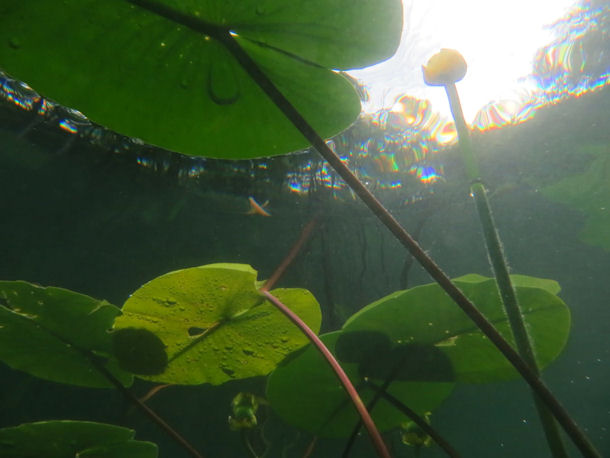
[[215, 325], [426, 315], [154, 69], [69, 439], [57, 334], [305, 392], [518, 280], [589, 192]]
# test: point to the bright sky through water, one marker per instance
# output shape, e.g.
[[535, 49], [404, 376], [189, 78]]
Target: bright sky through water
[[497, 38]]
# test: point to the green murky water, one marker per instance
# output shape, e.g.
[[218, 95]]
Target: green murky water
[[99, 215]]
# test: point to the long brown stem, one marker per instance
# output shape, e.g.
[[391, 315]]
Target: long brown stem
[[96, 362], [381, 391], [417, 419], [146, 410], [305, 234], [380, 446]]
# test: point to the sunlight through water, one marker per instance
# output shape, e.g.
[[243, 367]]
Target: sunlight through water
[[521, 55], [512, 68]]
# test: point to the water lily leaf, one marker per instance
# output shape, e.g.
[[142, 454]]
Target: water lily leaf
[[67, 439], [426, 315], [304, 392], [589, 192], [57, 334], [154, 70], [215, 325], [518, 280]]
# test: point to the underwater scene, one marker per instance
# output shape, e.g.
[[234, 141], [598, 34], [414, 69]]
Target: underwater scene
[[269, 229]]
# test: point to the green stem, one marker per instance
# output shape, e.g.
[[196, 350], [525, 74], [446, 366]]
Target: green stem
[[500, 269], [513, 311], [470, 161], [341, 375]]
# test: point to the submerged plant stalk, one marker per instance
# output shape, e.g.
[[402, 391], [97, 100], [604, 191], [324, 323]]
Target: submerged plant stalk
[[144, 408], [305, 235], [500, 269], [418, 420], [381, 391], [378, 442], [291, 113], [513, 311]]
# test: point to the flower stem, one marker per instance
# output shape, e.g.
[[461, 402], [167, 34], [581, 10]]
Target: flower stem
[[468, 157], [500, 268], [513, 311], [303, 238], [380, 446]]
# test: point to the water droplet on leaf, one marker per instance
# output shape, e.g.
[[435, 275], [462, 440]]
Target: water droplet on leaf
[[223, 87]]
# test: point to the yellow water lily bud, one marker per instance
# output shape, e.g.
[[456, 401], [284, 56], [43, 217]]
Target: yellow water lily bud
[[445, 67]]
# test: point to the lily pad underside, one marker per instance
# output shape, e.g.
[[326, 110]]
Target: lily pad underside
[[426, 315], [159, 71]]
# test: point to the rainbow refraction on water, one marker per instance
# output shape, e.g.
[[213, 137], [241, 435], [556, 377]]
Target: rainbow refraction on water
[[571, 66], [386, 149]]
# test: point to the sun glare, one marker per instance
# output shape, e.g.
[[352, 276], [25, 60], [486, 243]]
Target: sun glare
[[498, 39]]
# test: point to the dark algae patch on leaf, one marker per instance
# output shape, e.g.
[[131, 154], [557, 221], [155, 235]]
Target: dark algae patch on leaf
[[157, 70]]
